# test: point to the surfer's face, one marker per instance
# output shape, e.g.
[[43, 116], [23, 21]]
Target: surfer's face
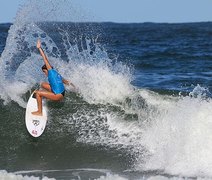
[[45, 71]]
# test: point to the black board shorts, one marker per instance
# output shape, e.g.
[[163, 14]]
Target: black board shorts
[[63, 93]]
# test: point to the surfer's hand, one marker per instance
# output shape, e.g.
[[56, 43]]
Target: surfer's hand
[[76, 90], [66, 82], [71, 84], [38, 44]]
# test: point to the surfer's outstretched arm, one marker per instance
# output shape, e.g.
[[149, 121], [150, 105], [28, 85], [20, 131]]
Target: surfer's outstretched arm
[[46, 61]]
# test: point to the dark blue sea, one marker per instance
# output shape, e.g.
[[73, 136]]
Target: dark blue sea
[[142, 109]]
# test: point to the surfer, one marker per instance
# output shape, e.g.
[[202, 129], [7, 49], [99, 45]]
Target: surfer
[[54, 89]]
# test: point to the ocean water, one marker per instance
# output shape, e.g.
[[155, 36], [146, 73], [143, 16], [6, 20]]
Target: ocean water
[[142, 109]]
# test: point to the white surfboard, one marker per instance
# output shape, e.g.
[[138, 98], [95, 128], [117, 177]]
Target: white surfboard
[[35, 124]]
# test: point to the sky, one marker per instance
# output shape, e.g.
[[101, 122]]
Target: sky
[[171, 11]]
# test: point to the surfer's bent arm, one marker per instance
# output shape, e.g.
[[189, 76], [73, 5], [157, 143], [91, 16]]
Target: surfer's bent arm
[[68, 83], [46, 61]]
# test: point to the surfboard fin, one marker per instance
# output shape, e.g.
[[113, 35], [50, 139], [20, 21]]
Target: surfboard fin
[[34, 95]]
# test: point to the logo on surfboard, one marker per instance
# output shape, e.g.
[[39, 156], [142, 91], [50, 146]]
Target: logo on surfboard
[[34, 132], [36, 122]]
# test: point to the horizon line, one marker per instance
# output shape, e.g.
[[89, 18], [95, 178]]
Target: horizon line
[[115, 22]]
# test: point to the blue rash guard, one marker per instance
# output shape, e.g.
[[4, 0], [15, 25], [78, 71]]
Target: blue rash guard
[[55, 81]]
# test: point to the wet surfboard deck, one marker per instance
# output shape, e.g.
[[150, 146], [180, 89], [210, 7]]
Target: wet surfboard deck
[[35, 124]]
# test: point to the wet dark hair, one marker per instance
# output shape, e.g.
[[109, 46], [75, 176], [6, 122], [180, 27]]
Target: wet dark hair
[[44, 67]]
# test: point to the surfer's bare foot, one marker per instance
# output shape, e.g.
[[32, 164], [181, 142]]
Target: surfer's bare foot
[[37, 113]]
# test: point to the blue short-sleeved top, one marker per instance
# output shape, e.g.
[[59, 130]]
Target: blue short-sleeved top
[[55, 81]]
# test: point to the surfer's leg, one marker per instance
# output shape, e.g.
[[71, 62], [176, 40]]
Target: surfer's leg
[[39, 104], [46, 86], [48, 95]]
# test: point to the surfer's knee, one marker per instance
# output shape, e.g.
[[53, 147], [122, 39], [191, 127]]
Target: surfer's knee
[[44, 84]]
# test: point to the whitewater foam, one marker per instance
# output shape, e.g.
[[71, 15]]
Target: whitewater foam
[[111, 177], [98, 78], [12, 176], [178, 140], [173, 139]]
